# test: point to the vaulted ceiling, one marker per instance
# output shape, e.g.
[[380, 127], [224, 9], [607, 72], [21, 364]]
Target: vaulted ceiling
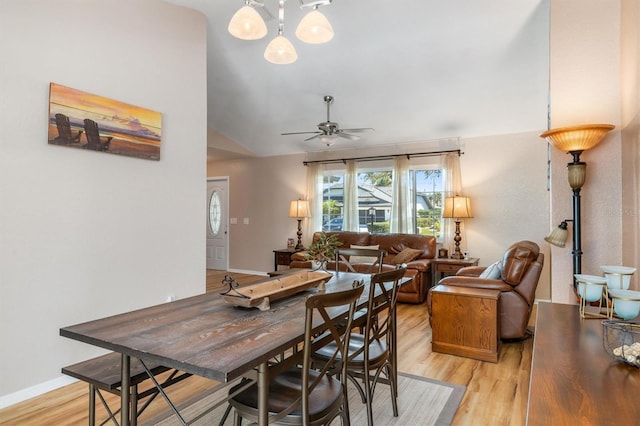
[[414, 70]]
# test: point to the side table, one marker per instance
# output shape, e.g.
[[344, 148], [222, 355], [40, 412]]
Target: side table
[[465, 322], [282, 257], [444, 266]]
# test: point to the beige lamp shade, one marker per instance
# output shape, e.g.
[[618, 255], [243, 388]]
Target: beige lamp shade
[[314, 28], [280, 51], [558, 237], [457, 207], [247, 24], [299, 209], [577, 138]]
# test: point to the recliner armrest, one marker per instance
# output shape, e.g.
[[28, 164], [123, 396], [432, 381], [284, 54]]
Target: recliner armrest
[[471, 271], [475, 282]]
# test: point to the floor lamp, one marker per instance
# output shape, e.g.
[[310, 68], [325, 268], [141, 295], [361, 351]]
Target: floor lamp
[[574, 140], [457, 207], [299, 209]]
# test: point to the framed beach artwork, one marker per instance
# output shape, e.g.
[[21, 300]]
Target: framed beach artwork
[[82, 120]]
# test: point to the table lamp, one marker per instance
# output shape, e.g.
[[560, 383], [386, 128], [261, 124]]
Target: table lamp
[[299, 209], [457, 207]]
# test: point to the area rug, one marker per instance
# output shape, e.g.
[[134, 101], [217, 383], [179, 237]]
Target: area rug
[[421, 401]]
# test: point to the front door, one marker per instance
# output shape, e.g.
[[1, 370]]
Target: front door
[[217, 231]]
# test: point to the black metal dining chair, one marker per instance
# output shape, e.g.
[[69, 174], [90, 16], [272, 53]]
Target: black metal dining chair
[[300, 395], [373, 351]]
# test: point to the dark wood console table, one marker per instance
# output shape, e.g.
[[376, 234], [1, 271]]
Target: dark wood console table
[[573, 380]]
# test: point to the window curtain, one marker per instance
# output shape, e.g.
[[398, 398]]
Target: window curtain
[[450, 164], [350, 199], [314, 196], [402, 204]]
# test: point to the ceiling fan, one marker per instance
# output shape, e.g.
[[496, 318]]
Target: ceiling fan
[[328, 131]]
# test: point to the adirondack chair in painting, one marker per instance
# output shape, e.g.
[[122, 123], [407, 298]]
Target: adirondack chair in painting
[[94, 141], [65, 135]]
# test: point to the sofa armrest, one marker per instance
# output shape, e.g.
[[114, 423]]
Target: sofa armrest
[[421, 265], [299, 255]]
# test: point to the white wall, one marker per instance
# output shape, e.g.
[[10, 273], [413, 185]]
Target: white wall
[[84, 234], [585, 88]]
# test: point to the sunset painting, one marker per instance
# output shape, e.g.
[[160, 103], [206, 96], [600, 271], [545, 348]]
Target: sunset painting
[[81, 120]]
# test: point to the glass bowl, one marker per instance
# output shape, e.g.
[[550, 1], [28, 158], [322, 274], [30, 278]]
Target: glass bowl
[[590, 286], [618, 276], [621, 340], [626, 303]]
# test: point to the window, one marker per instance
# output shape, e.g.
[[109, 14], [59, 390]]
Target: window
[[427, 186], [375, 197], [332, 200]]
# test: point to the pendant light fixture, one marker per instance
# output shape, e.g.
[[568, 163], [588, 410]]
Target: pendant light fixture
[[314, 28], [280, 51], [247, 24]]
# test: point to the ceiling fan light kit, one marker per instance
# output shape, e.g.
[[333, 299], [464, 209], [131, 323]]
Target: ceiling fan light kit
[[314, 28]]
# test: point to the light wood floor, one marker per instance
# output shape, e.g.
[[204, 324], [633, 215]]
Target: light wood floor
[[496, 393]]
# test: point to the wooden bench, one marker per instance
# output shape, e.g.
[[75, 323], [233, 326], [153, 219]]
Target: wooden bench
[[104, 373]]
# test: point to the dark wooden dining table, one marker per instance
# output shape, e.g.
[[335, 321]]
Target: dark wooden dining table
[[205, 336]]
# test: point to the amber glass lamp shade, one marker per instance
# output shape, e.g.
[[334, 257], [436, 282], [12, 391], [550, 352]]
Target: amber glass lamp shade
[[577, 138]]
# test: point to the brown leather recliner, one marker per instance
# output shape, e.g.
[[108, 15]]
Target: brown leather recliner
[[521, 268]]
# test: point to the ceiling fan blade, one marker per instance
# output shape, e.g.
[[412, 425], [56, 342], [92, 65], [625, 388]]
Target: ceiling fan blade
[[357, 130], [300, 133], [320, 134], [348, 136]]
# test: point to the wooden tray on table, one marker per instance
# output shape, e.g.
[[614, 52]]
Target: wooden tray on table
[[262, 293]]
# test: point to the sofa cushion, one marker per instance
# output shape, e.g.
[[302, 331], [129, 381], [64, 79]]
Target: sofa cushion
[[347, 238], [493, 271], [406, 255]]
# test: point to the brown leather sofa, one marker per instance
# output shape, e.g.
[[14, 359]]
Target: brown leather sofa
[[521, 266], [393, 244]]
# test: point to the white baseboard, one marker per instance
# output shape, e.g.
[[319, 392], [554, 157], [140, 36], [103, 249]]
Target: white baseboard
[[33, 391], [245, 271]]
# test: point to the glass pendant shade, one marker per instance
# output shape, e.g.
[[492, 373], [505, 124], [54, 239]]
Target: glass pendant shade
[[577, 173], [280, 51], [247, 24], [577, 138], [314, 28], [457, 207], [558, 237]]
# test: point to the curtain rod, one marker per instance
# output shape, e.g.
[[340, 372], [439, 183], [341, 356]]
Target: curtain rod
[[383, 157]]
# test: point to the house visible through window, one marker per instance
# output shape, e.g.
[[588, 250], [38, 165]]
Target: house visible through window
[[375, 196]]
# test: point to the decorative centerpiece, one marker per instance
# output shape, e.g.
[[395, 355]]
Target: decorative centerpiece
[[323, 250], [261, 294], [621, 340]]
